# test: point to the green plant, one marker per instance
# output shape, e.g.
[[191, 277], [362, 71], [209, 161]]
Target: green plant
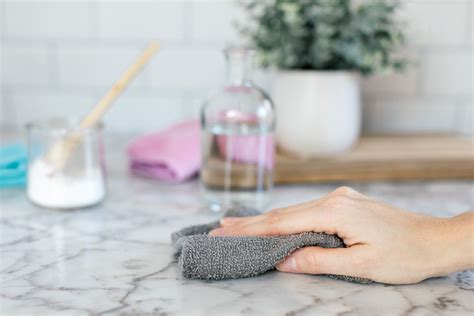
[[325, 34]]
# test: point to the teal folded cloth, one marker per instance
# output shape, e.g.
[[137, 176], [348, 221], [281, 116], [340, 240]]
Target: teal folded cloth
[[13, 164]]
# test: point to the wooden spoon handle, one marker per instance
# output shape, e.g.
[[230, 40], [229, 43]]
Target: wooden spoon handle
[[98, 111], [61, 152]]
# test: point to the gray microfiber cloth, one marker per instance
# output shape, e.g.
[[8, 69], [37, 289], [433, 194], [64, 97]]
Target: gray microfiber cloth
[[201, 256]]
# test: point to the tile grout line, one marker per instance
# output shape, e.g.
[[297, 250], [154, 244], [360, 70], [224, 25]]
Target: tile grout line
[[3, 89], [458, 117], [469, 25], [93, 20], [53, 65], [188, 12], [420, 73], [11, 115], [3, 15], [112, 43]]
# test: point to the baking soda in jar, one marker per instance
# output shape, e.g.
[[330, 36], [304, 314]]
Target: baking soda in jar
[[62, 191], [80, 181]]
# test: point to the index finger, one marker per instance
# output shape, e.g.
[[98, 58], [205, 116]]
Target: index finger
[[276, 223], [229, 221]]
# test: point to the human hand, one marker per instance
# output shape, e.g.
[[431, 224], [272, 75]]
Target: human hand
[[384, 243]]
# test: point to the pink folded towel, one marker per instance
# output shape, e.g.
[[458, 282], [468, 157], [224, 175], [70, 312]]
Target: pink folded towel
[[174, 154], [171, 155], [255, 149]]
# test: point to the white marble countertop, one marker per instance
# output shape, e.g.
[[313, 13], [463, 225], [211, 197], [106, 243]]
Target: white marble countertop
[[116, 258]]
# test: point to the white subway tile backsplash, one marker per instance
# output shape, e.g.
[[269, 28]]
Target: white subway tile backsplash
[[2, 78], [213, 21], [404, 84], [464, 123], [163, 20], [40, 105], [470, 25], [369, 122], [2, 20], [24, 65], [47, 20], [144, 112], [412, 115], [435, 22], [3, 111], [190, 68], [3, 107], [96, 66], [447, 73], [7, 115], [58, 57], [192, 106]]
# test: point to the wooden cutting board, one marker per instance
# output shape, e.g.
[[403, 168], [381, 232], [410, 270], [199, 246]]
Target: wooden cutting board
[[385, 158]]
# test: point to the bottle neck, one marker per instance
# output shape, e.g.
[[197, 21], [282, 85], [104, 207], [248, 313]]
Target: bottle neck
[[239, 69]]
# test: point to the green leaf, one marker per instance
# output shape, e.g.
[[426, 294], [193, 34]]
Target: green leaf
[[325, 34]]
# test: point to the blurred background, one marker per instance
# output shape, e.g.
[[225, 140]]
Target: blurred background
[[59, 58]]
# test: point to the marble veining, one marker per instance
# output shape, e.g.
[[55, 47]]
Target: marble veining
[[116, 258]]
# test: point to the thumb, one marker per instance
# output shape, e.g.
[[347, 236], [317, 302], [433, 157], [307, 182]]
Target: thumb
[[317, 260]]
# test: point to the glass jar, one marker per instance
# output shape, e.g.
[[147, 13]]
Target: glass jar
[[237, 124], [66, 168]]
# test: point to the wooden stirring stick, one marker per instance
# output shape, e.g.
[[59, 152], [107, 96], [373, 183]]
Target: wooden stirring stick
[[60, 152]]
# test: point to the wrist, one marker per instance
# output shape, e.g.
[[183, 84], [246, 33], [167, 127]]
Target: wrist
[[453, 242]]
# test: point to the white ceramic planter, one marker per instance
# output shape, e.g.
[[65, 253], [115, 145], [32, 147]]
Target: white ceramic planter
[[318, 112]]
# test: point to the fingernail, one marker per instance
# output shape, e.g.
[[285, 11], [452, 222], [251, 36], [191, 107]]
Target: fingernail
[[288, 265], [217, 232]]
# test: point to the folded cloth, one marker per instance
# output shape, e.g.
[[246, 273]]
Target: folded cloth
[[246, 148], [201, 256], [172, 155], [13, 165], [254, 149]]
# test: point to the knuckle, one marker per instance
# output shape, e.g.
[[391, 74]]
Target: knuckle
[[338, 201], [345, 191]]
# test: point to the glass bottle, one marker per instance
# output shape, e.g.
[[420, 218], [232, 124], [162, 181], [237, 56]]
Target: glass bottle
[[237, 124]]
